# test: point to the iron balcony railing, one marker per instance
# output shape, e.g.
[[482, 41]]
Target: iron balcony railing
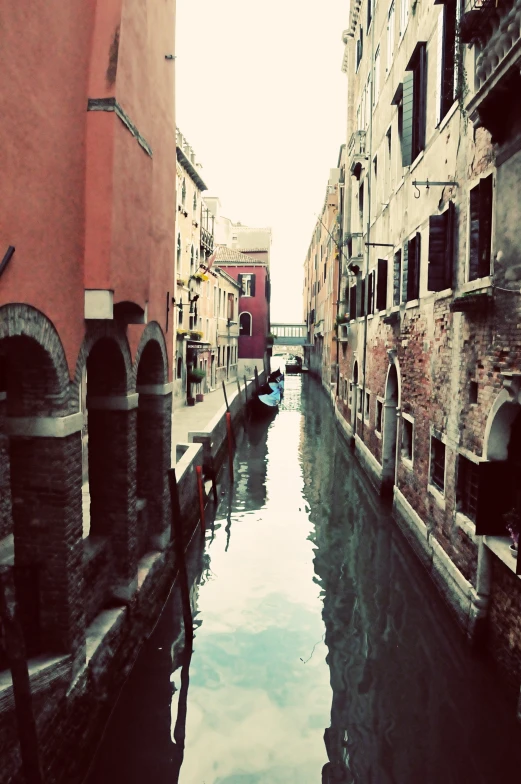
[[206, 239]]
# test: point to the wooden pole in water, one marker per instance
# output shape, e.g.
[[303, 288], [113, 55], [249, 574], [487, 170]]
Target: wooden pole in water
[[238, 388], [226, 397], [245, 390], [16, 657], [230, 444], [214, 484], [179, 548], [256, 379], [199, 472]]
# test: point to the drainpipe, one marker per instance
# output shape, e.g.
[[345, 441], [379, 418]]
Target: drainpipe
[[368, 231]]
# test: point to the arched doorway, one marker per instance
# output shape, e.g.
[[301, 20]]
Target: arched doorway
[[390, 428]]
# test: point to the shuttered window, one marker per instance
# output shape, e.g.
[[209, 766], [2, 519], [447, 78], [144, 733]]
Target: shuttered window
[[381, 286], [441, 249], [467, 487], [438, 463], [361, 304], [370, 292], [480, 216], [414, 104], [405, 271], [413, 268], [491, 502], [397, 272]]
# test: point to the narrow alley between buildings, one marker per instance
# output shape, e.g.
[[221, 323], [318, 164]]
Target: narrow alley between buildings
[[322, 650]]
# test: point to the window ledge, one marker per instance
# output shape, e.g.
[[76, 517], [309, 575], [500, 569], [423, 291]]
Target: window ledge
[[500, 546], [466, 524], [407, 462], [480, 284], [443, 294], [416, 161], [395, 309], [412, 303], [437, 495], [370, 316], [445, 120], [378, 434]]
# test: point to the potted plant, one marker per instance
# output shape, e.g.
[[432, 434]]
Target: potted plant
[[181, 333], [196, 334], [511, 519], [195, 376], [270, 339], [181, 282]]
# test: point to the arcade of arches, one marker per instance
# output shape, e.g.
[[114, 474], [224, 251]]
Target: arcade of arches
[[83, 475]]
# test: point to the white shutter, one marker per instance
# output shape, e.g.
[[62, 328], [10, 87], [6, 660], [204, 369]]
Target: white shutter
[[439, 64]]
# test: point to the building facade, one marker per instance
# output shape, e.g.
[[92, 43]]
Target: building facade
[[252, 277], [86, 331], [429, 342]]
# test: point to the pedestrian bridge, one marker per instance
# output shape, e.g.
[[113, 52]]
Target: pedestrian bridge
[[289, 334]]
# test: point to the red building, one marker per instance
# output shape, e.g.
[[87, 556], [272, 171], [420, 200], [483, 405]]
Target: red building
[[86, 278], [253, 276]]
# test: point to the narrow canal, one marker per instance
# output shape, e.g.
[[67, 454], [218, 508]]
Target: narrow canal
[[322, 652]]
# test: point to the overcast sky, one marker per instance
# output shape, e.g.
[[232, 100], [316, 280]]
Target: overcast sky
[[261, 98]]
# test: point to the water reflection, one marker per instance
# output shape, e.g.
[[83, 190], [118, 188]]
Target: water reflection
[[322, 652]]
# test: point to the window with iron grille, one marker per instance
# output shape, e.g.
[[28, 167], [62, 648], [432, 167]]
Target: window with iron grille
[[438, 463], [467, 489]]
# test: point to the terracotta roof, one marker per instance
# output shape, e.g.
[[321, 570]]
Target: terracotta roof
[[254, 250], [231, 254]]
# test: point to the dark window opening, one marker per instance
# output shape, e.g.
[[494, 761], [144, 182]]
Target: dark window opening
[[438, 463], [447, 57], [407, 436], [381, 285], [245, 324], [473, 392], [480, 228], [442, 231], [352, 302], [379, 412], [411, 268]]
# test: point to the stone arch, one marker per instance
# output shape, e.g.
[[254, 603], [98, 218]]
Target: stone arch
[[109, 331], [152, 334], [246, 324], [497, 429], [30, 343]]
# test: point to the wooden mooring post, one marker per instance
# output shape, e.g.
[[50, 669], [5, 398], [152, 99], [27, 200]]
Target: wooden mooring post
[[245, 390], [17, 660], [256, 379], [179, 547], [230, 444], [226, 397]]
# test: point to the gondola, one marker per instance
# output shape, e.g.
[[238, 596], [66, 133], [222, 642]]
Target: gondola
[[265, 403]]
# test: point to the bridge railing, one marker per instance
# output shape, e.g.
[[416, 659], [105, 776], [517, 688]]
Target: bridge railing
[[289, 331]]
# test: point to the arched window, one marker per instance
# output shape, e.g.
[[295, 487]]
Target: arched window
[[192, 260], [245, 324], [179, 367], [196, 257], [195, 202], [178, 250], [183, 192]]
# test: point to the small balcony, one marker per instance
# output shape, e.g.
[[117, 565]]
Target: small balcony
[[494, 28], [206, 240], [354, 251], [356, 153]]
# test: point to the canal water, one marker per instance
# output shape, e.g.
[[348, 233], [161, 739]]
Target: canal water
[[322, 652]]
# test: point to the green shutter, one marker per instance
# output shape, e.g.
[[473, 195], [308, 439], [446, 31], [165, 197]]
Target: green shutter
[[485, 225], [239, 281], [407, 117], [397, 274], [437, 252], [405, 271], [252, 286]]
